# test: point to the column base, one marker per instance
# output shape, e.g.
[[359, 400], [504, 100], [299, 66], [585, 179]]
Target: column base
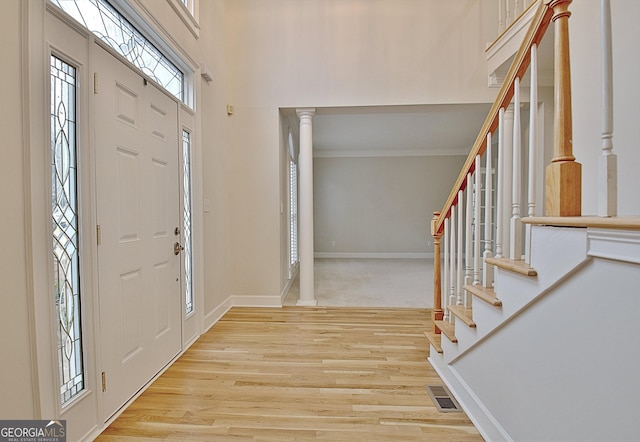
[[307, 303], [563, 189]]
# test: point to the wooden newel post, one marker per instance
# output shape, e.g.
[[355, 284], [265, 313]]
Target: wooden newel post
[[564, 174], [437, 313]]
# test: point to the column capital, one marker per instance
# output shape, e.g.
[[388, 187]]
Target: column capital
[[305, 112]]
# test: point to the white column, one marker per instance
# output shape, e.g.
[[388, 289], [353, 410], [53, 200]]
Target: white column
[[607, 163], [305, 164]]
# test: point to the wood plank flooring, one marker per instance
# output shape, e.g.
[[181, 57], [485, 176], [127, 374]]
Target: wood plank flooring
[[332, 374]]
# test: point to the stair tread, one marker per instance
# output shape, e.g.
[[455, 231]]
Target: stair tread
[[465, 314], [487, 294], [447, 329], [435, 340], [514, 265]]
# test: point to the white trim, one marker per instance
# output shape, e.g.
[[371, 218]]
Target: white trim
[[255, 301], [186, 16], [372, 255], [287, 286], [620, 245], [383, 153], [153, 30], [211, 318]]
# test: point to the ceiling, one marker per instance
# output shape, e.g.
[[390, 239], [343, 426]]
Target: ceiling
[[397, 130]]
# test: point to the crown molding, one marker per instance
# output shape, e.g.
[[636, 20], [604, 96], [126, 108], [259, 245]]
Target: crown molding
[[388, 153]]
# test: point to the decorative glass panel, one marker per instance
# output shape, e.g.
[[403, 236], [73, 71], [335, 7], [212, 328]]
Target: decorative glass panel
[[64, 204], [110, 26], [293, 209], [188, 249]]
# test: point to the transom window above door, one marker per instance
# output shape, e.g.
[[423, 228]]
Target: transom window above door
[[110, 26]]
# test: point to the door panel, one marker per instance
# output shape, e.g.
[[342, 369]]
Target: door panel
[[136, 135]]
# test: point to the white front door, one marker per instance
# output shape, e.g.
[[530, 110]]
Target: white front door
[[137, 151]]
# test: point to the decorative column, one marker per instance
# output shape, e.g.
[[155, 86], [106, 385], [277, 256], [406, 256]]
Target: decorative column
[[305, 164], [608, 162], [437, 312], [564, 175]]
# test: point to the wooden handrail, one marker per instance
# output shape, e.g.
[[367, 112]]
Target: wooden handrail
[[520, 64]]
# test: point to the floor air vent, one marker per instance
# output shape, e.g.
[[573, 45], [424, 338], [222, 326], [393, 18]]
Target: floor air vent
[[442, 399]]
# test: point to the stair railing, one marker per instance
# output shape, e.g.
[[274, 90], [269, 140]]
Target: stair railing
[[481, 219], [509, 11]]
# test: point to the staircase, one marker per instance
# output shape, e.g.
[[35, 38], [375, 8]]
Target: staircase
[[531, 313], [558, 346]]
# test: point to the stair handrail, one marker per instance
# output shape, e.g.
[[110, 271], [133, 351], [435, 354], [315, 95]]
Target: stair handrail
[[535, 33]]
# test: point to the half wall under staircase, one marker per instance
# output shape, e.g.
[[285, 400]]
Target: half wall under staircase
[[558, 360]]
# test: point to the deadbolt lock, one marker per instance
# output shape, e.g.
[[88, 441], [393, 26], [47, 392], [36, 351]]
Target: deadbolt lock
[[176, 231]]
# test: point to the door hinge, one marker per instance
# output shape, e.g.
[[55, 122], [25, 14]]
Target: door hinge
[[104, 382], [95, 82], [99, 234]]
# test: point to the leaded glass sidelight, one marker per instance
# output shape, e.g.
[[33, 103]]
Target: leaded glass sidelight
[[110, 26], [64, 207], [188, 249]]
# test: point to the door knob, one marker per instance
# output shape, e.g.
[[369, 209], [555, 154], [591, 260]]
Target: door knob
[[177, 248]]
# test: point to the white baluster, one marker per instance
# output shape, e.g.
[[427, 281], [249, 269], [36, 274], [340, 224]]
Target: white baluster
[[533, 147], [445, 283], [468, 248], [501, 25], [516, 226], [487, 274], [499, 188], [460, 269], [452, 265], [608, 162], [477, 239], [507, 182], [507, 13]]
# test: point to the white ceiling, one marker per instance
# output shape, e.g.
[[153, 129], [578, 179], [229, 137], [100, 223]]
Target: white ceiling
[[397, 130]]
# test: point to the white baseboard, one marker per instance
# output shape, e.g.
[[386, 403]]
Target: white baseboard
[[371, 255], [287, 287], [482, 419], [214, 315], [256, 301]]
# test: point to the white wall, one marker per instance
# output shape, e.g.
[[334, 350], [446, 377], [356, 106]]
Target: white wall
[[354, 52], [584, 26], [379, 205], [316, 53], [16, 367], [216, 158]]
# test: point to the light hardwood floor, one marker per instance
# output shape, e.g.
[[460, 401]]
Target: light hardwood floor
[[299, 373]]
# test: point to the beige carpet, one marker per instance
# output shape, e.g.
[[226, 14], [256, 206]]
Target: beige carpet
[[341, 282]]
